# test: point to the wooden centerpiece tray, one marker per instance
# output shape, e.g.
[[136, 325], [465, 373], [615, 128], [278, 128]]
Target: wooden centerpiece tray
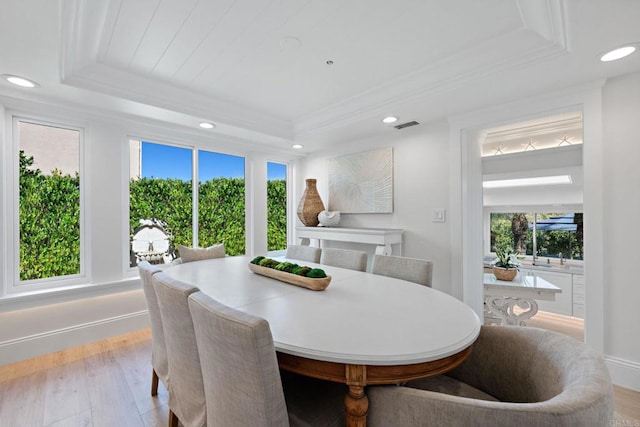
[[319, 284]]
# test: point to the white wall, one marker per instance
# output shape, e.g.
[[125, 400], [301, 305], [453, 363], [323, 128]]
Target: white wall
[[40, 330], [421, 183], [621, 111], [110, 302]]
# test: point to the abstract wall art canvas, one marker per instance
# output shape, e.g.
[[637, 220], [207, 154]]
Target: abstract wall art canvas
[[362, 182]]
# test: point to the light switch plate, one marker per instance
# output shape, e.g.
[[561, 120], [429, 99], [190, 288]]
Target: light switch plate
[[438, 215]]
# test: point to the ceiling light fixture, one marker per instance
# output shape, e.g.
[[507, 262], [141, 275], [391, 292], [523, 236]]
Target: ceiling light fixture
[[20, 81], [527, 182], [618, 53], [297, 146], [390, 119], [207, 125]]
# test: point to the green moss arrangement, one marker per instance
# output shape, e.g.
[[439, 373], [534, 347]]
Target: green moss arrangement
[[316, 273], [289, 267], [268, 262], [301, 270], [285, 266]]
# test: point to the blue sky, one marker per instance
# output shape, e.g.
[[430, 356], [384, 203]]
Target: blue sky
[[165, 161]]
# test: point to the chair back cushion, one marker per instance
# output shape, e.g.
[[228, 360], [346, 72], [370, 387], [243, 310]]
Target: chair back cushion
[[344, 258], [410, 269], [304, 253], [198, 254], [158, 346], [186, 390], [241, 376]]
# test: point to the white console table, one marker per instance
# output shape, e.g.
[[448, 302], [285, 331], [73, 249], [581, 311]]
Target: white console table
[[383, 238]]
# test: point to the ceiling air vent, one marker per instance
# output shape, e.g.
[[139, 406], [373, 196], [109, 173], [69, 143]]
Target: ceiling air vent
[[406, 125]]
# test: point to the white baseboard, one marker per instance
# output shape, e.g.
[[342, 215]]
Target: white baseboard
[[51, 341], [624, 373]]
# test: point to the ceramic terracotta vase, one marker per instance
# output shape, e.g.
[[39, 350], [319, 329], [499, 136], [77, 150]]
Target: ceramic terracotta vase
[[310, 205]]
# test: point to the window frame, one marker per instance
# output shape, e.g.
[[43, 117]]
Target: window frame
[[527, 209], [195, 148], [14, 284]]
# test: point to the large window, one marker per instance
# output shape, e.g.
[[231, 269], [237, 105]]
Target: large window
[[557, 235], [160, 201], [163, 204], [221, 206], [276, 206], [49, 232]]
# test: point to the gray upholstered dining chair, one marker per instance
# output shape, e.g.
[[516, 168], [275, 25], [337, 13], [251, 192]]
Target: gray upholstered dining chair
[[159, 363], [410, 269], [242, 382], [514, 376], [304, 253], [345, 258], [186, 390]]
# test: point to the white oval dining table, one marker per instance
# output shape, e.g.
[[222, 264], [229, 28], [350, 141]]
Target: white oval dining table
[[363, 329]]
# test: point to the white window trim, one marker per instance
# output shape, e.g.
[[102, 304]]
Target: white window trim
[[487, 211], [195, 147], [288, 210], [129, 271], [12, 277]]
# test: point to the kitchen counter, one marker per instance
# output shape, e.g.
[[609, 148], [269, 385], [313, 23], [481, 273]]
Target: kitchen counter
[[569, 277], [513, 302]]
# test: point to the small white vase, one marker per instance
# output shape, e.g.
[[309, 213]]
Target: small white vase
[[329, 218]]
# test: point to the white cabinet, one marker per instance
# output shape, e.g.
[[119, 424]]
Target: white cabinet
[[578, 296], [564, 300]]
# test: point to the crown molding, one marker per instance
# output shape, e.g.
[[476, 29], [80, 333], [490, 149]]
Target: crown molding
[[548, 127], [146, 127]]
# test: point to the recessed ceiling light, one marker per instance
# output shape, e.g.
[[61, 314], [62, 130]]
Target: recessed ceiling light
[[20, 81], [525, 182], [207, 125], [390, 119], [297, 146], [618, 53]]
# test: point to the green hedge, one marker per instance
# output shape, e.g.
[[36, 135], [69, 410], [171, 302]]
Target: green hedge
[[276, 215], [49, 223], [221, 211]]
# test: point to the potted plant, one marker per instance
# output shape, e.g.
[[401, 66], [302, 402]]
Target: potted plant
[[507, 265]]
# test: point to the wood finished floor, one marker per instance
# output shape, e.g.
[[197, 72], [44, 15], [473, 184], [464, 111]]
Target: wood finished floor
[[572, 326], [107, 383]]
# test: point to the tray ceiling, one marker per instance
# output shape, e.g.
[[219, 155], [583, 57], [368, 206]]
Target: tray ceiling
[[259, 70]]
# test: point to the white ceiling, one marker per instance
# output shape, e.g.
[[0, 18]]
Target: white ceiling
[[258, 70]]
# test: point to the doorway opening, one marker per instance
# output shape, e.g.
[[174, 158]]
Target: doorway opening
[[533, 206]]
